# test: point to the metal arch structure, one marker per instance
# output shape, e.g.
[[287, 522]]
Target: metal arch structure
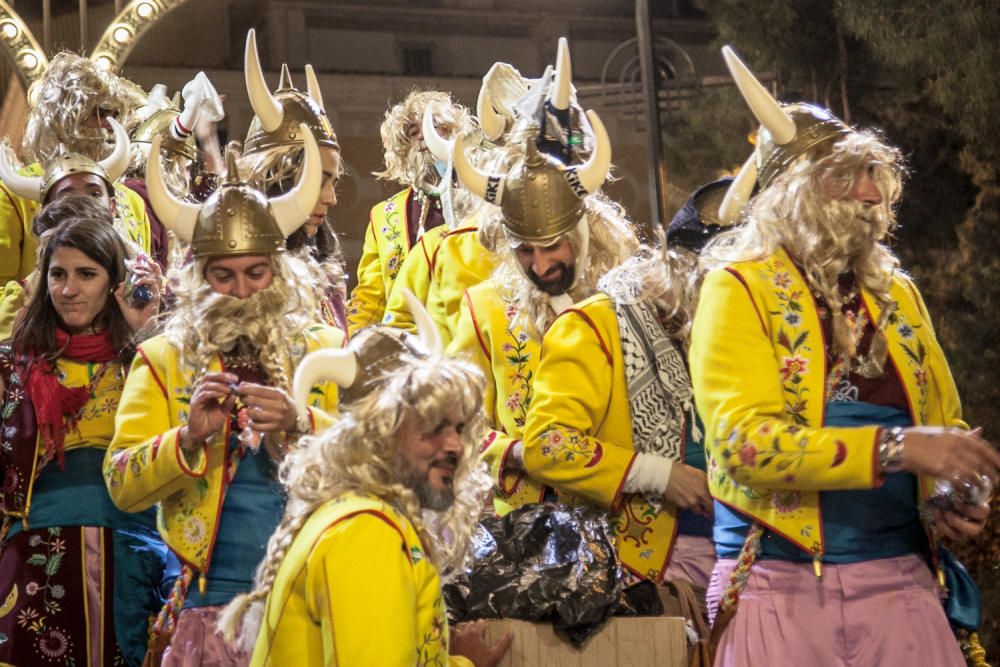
[[125, 30], [21, 46], [111, 51], [622, 71]]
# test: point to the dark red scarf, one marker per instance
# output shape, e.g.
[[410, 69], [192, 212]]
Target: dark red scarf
[[57, 408]]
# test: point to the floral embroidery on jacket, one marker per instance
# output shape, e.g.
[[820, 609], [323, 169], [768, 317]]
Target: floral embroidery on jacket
[[791, 341], [519, 360]]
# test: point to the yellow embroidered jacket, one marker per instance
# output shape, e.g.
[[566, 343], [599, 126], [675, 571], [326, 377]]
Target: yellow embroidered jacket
[[386, 244], [11, 301], [460, 262], [761, 379], [578, 438], [145, 464], [414, 275], [18, 246], [508, 358], [355, 588]]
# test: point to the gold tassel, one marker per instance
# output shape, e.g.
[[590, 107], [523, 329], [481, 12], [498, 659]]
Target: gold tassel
[[975, 652]]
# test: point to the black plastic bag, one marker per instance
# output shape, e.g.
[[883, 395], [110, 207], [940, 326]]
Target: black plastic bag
[[544, 563]]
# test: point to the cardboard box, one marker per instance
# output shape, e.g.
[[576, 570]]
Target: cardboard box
[[623, 642]]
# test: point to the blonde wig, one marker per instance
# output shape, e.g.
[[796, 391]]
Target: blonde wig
[[359, 453], [274, 171], [826, 237], [204, 323], [72, 89], [406, 160], [662, 277]]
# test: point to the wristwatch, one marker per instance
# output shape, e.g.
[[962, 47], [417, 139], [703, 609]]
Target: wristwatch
[[303, 424], [890, 449]]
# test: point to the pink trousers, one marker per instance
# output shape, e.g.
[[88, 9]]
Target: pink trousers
[[197, 644], [882, 613]]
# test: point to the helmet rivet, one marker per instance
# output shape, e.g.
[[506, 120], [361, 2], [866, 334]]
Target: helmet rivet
[[232, 244], [291, 135], [230, 212]]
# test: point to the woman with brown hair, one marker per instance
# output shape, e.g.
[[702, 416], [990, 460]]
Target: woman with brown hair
[[64, 547]]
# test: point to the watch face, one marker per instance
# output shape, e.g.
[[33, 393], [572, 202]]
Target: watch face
[[303, 424]]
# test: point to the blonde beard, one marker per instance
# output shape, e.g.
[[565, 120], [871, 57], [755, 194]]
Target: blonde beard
[[845, 237], [204, 323]]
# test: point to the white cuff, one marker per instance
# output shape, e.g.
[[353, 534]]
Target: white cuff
[[649, 474]]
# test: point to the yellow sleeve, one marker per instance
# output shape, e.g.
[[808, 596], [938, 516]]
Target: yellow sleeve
[[367, 302], [362, 591], [13, 299], [414, 275], [17, 244], [738, 391], [459, 263], [572, 390], [145, 462], [140, 232], [942, 382], [471, 343]]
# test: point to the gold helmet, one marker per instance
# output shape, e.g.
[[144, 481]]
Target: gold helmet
[[278, 117], [370, 357], [160, 124], [787, 132], [237, 219], [540, 198], [65, 163]]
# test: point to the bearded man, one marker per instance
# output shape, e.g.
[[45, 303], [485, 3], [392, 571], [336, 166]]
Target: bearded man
[[69, 111], [830, 410], [547, 257], [399, 223], [206, 412], [508, 103], [380, 505]]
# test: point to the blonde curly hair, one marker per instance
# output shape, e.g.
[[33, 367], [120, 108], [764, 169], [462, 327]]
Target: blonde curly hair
[[826, 237], [72, 89], [405, 163], [359, 453]]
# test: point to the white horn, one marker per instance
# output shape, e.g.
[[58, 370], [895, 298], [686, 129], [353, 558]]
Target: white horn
[[592, 173], [739, 193], [490, 121], [267, 108], [178, 216], [337, 365], [484, 186], [428, 332], [26, 187], [764, 107], [115, 164], [312, 85], [439, 147], [564, 77], [292, 209]]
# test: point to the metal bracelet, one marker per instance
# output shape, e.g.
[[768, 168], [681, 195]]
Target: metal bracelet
[[890, 449]]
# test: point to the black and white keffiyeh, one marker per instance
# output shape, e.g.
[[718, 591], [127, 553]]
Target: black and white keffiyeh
[[659, 387]]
